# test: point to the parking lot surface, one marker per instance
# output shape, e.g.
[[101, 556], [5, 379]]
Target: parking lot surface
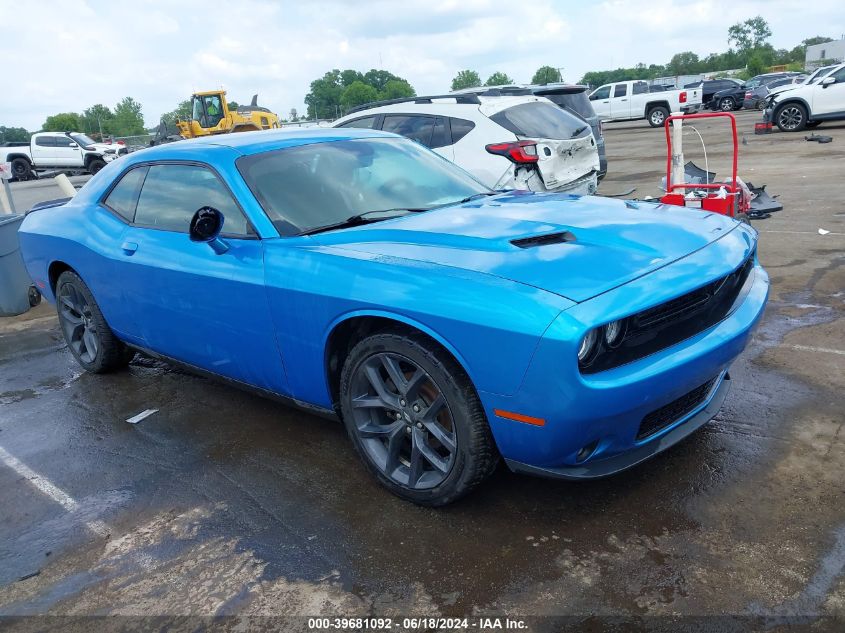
[[225, 503]]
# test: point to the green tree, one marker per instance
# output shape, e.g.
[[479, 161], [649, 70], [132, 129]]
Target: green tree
[[498, 79], [686, 63], [96, 120], [349, 77], [181, 113], [232, 105], [397, 89], [63, 122], [13, 134], [128, 119], [749, 34], [546, 75], [324, 97], [358, 93], [466, 79], [756, 65], [378, 78]]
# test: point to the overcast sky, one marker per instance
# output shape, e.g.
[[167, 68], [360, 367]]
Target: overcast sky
[[59, 56]]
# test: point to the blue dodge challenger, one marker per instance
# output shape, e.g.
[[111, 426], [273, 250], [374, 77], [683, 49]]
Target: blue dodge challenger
[[359, 275]]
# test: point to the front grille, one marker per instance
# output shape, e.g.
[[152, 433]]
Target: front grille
[[675, 320], [675, 410]]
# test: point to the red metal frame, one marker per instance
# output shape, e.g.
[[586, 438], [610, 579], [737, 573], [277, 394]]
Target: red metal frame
[[725, 206]]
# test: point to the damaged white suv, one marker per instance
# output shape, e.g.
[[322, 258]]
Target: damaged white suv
[[811, 104], [506, 142]]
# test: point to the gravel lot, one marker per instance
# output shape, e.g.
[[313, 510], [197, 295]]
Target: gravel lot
[[223, 503]]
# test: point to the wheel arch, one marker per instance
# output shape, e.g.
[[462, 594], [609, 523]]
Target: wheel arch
[[348, 329], [800, 100], [657, 104], [10, 157], [54, 270]]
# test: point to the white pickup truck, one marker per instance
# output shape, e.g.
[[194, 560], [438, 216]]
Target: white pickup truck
[[69, 151], [628, 100]]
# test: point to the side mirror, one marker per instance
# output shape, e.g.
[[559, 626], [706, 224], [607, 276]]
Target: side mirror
[[73, 145], [206, 226], [828, 80]]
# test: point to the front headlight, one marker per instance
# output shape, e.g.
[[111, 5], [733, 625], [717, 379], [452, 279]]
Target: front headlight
[[614, 332], [588, 346]]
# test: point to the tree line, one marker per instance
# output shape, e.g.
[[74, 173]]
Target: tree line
[[748, 49]]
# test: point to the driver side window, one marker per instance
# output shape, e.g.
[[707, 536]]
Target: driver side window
[[171, 194], [601, 93]]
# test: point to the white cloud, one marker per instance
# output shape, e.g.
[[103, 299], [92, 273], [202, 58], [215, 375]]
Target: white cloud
[[67, 55]]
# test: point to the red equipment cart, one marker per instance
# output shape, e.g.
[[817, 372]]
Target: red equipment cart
[[735, 203]]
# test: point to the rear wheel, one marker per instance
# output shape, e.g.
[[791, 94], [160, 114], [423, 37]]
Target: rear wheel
[[415, 419], [86, 332], [726, 104], [657, 115], [791, 117]]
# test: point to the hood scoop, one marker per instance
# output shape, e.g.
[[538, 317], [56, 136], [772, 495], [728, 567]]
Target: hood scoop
[[544, 240]]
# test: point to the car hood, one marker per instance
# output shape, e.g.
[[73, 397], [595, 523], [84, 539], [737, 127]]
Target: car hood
[[596, 244]]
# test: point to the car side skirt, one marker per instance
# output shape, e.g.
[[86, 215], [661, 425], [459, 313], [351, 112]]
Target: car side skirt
[[623, 461], [328, 414]]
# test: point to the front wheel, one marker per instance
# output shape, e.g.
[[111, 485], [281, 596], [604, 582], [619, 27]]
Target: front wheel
[[727, 104], [657, 115], [415, 419], [791, 117], [21, 169], [96, 165], [86, 332]]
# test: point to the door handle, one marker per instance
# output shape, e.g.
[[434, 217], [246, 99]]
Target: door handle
[[129, 248], [623, 99]]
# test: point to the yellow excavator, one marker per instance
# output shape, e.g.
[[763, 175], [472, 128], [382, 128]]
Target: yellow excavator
[[210, 114]]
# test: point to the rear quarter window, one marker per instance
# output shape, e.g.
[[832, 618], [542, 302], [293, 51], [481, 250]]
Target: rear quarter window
[[124, 196], [541, 120], [460, 128]]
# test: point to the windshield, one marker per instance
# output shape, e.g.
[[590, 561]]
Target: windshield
[[82, 139], [541, 120], [311, 186], [577, 102], [821, 72]]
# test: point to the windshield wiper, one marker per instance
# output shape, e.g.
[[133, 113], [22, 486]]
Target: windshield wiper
[[579, 130], [361, 218]]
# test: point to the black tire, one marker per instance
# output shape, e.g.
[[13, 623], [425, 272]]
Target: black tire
[[96, 165], [21, 169], [791, 117], [457, 433], [88, 336], [813, 124], [761, 105], [727, 104], [657, 115]]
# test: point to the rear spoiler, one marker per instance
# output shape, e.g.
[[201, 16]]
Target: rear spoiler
[[49, 204]]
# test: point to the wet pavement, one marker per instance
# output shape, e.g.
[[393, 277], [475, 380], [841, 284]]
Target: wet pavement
[[223, 503]]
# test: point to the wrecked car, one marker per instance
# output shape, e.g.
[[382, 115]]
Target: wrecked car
[[359, 275], [506, 141]]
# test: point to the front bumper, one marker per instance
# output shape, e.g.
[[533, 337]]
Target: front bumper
[[592, 424], [622, 461]]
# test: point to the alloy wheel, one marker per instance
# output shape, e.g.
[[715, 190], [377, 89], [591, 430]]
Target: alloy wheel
[[727, 105], [78, 323], [657, 117], [403, 421], [790, 117]]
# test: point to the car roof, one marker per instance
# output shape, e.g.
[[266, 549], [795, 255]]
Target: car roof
[[445, 106], [260, 141]]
